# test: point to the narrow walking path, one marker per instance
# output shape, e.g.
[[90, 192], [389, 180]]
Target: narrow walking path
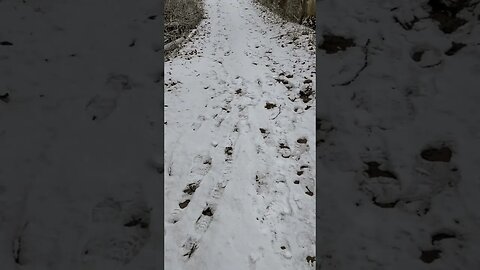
[[239, 143]]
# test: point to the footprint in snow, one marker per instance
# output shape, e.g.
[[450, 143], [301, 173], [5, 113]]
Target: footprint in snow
[[380, 183], [301, 147], [434, 172], [119, 245], [129, 213], [261, 185], [205, 219], [187, 194], [310, 260], [189, 247], [217, 192], [100, 107], [196, 126], [264, 132], [282, 245], [122, 228], [228, 153], [119, 82], [201, 164], [284, 150]]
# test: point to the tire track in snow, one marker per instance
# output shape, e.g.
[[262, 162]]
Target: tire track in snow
[[212, 202]]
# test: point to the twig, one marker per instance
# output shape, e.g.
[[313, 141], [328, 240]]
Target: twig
[[279, 110], [365, 64], [176, 43], [18, 245], [406, 25], [191, 251], [279, 36], [172, 45]]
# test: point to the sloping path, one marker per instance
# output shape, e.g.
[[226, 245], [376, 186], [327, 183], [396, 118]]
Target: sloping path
[[239, 143]]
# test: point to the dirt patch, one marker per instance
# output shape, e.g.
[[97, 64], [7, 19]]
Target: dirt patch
[[184, 204], [137, 221], [417, 55], [441, 236], [190, 188], [283, 146], [445, 14], [306, 94], [5, 97], [428, 256], [269, 105], [207, 212], [373, 171], [228, 151], [225, 109], [302, 140], [6, 43], [455, 48], [443, 154], [333, 44]]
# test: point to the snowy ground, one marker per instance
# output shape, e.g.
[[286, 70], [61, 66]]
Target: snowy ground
[[398, 135], [239, 144], [78, 130]]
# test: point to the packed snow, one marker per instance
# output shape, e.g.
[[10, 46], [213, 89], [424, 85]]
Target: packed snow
[[240, 143], [80, 133], [398, 134]]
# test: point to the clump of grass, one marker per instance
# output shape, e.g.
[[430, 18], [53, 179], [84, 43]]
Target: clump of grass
[[181, 16], [299, 11]]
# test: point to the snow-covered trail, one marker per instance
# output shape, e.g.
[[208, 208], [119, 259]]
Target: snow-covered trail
[[239, 144], [77, 134], [398, 132]]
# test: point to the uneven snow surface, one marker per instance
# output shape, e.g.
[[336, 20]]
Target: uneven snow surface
[[240, 144], [79, 132], [398, 135]]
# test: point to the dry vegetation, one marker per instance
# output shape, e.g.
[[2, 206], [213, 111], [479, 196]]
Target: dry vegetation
[[299, 11], [181, 16]]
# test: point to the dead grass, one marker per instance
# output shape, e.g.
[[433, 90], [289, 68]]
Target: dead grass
[[181, 16], [298, 11]]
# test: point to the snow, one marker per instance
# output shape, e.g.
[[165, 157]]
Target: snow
[[239, 152], [80, 134], [81, 157], [396, 108]]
